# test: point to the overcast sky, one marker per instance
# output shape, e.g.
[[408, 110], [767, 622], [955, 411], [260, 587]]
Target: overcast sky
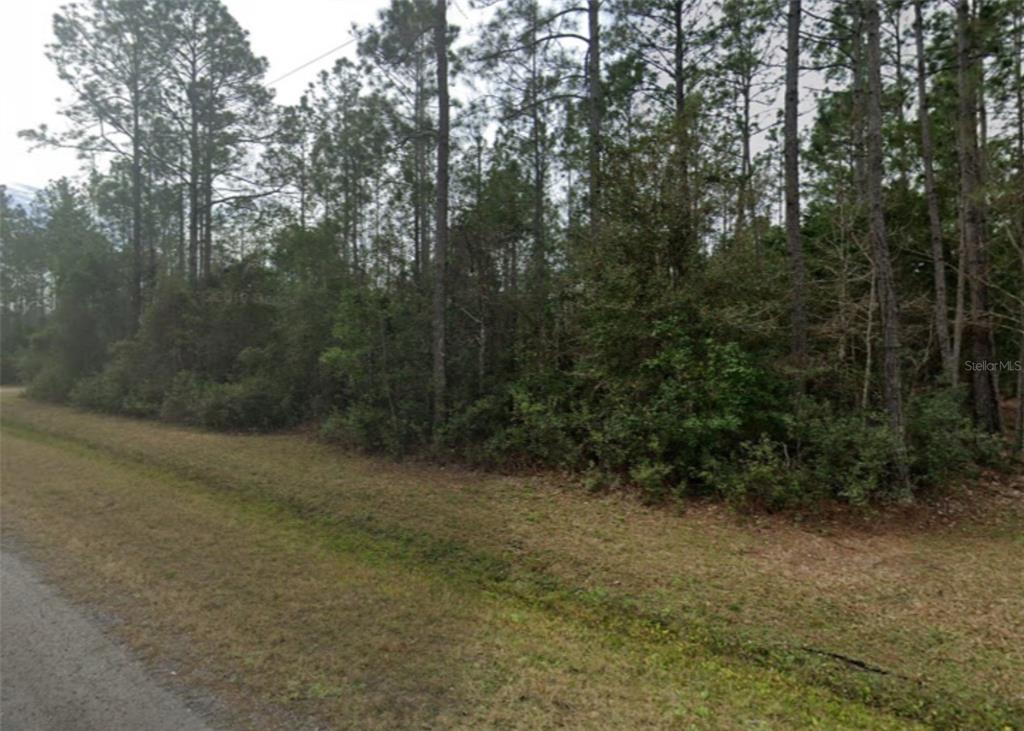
[[287, 33]]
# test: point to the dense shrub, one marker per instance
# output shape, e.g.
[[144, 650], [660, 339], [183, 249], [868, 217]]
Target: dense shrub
[[47, 375], [763, 473], [379, 343], [943, 441], [690, 403], [53, 382], [125, 386], [853, 457], [364, 427], [9, 373], [536, 423], [477, 431], [100, 392], [252, 403], [184, 400], [647, 397], [687, 405]]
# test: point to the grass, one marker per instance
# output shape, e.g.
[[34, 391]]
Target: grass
[[362, 593]]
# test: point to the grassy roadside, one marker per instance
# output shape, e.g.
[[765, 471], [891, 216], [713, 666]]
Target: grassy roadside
[[283, 612], [656, 605]]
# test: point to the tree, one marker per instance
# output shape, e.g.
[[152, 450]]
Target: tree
[[25, 281], [288, 161], [113, 62], [477, 302], [743, 31], [216, 104], [524, 71], [595, 113], [557, 25], [1018, 84], [440, 317], [892, 382], [85, 311], [400, 48], [666, 38], [949, 364], [984, 388], [792, 164]]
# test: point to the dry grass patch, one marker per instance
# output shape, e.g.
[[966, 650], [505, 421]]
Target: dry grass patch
[[275, 612], [940, 606]]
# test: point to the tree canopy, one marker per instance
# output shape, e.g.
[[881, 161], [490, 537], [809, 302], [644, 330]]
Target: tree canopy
[[767, 250]]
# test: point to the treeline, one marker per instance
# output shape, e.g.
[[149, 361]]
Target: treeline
[[593, 235]]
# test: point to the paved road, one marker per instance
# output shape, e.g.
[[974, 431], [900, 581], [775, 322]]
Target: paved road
[[58, 672]]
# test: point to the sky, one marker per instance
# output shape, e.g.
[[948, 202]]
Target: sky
[[287, 33]]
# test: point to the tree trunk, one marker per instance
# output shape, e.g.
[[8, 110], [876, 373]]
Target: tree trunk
[[682, 136], [794, 243], [303, 183], [1018, 78], [420, 257], [857, 112], [892, 386], [136, 177], [865, 392], [1020, 350], [206, 244], [439, 319], [679, 87], [984, 393], [595, 104], [959, 308], [932, 200], [193, 186], [744, 197], [181, 231], [540, 257]]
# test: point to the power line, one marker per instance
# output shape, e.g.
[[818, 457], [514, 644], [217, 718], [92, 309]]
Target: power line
[[349, 42]]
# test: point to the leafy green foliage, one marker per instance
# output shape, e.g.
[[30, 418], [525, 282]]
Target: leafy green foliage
[[636, 333], [943, 441], [378, 356], [852, 457]]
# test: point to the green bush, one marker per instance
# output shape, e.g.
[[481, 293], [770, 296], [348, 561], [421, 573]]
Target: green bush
[[852, 458], [127, 385], [943, 440], [253, 403], [47, 378], [334, 429], [855, 457], [184, 400], [10, 374], [540, 427], [763, 474], [689, 405], [469, 431], [654, 478], [99, 393], [686, 405], [51, 383], [358, 426]]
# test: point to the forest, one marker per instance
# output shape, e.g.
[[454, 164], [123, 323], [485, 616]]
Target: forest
[[770, 251]]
